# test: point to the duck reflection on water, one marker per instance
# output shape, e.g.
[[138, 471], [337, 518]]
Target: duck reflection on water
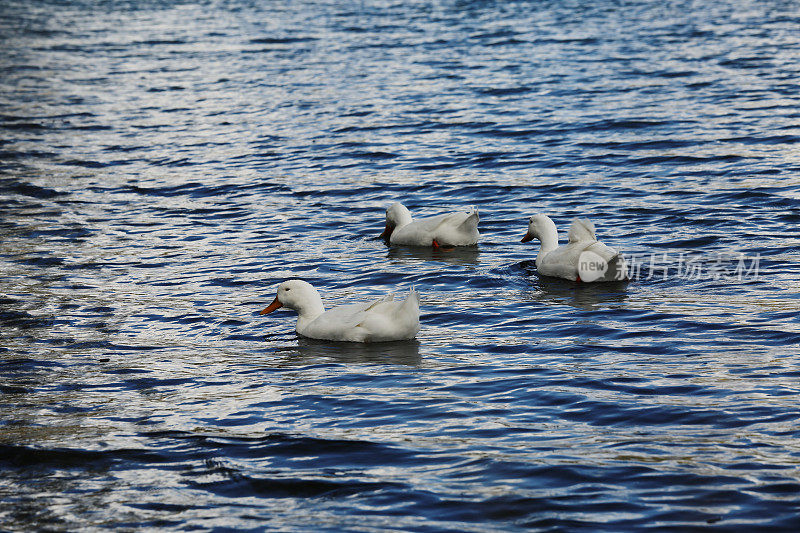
[[393, 353], [581, 295], [461, 255]]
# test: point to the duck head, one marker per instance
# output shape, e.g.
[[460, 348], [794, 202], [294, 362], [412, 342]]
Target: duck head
[[298, 295], [540, 227], [396, 216]]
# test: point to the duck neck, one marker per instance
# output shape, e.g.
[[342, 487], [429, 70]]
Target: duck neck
[[397, 216], [309, 312], [549, 240], [403, 220]]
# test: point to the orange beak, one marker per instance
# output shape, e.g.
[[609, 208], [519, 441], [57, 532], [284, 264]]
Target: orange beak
[[271, 307], [527, 237], [387, 232]]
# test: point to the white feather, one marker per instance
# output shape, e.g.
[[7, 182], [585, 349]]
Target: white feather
[[582, 258], [380, 320], [451, 229]]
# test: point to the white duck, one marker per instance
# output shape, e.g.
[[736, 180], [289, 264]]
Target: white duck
[[583, 258], [377, 321], [452, 229]]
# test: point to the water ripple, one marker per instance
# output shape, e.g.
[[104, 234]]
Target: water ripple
[[164, 166]]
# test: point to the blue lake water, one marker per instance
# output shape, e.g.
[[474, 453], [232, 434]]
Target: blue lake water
[[163, 165]]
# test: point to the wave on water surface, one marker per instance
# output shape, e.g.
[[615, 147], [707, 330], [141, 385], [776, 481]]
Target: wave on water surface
[[164, 166]]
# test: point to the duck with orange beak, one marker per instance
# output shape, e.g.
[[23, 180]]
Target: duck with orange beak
[[381, 320], [583, 258]]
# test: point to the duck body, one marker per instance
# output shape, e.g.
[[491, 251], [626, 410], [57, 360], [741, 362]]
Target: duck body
[[583, 258], [459, 228], [377, 321]]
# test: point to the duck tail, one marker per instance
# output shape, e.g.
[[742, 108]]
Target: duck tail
[[412, 299], [471, 222], [582, 229]]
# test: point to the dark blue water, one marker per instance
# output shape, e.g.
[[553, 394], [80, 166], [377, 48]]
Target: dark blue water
[[164, 164]]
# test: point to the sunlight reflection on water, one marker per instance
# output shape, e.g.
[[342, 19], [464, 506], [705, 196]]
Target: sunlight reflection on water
[[163, 167]]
